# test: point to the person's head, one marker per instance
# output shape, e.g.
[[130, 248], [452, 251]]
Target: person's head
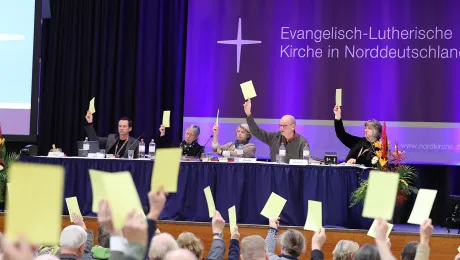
[[372, 130], [345, 250], [243, 133], [180, 253], [161, 245], [292, 243], [253, 248], [191, 133], [125, 125], [409, 251], [287, 126], [73, 240], [367, 252], [190, 242], [103, 237]]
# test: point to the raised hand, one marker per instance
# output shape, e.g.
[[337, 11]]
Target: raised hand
[[162, 130], [274, 223], [135, 228], [157, 201], [78, 220], [318, 239], [247, 107], [20, 250], [104, 217], [89, 117], [218, 223], [381, 230], [426, 230], [337, 112], [235, 234], [215, 129]]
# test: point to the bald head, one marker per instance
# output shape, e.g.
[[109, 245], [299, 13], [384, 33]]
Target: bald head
[[161, 245], [183, 254], [253, 247], [287, 126]]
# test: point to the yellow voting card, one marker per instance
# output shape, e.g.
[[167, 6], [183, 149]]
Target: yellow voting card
[[92, 107], [37, 212], [122, 196], [314, 220], [381, 195], [338, 97], [422, 207], [248, 90], [166, 118], [371, 231], [166, 169], [210, 201], [232, 218], [273, 207], [97, 188], [72, 207], [217, 118]]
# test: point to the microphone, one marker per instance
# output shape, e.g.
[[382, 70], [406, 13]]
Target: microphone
[[137, 140], [202, 148]]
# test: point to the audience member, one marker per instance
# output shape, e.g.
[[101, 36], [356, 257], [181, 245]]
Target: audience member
[[345, 250], [189, 241], [367, 252], [161, 245], [292, 242], [253, 248], [180, 253]]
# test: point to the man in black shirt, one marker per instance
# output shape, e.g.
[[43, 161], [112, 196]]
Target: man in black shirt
[[116, 144]]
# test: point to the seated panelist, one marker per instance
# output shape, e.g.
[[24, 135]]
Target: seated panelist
[[116, 144], [362, 149], [190, 145], [294, 142], [243, 135]]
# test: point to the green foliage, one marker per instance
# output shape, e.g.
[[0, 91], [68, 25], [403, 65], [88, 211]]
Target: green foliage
[[9, 159]]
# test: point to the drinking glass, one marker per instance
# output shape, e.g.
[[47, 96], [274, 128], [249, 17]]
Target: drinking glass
[[130, 154]]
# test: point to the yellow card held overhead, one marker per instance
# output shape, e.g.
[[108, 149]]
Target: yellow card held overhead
[[273, 207], [166, 169], [314, 220], [371, 231], [422, 207], [217, 118], [210, 201], [248, 90], [232, 218], [381, 195], [92, 107], [166, 118], [122, 196], [338, 97], [72, 206], [38, 218], [97, 187]]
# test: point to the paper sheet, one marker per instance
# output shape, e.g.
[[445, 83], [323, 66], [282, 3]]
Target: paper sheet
[[314, 220], [166, 118], [248, 90], [166, 169], [422, 207], [381, 195], [210, 201], [273, 207]]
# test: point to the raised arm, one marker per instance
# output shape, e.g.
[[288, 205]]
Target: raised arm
[[270, 240], [423, 249], [347, 139], [259, 133], [89, 129]]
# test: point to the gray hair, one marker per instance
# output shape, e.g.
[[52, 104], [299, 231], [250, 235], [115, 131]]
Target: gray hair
[[161, 245], [253, 247], [180, 253], [73, 237], [409, 250], [345, 250], [293, 242], [195, 129], [376, 127], [246, 128], [367, 252]]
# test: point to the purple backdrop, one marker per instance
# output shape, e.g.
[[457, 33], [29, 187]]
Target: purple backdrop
[[416, 96]]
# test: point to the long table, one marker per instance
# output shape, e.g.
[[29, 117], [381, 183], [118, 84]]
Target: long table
[[245, 185]]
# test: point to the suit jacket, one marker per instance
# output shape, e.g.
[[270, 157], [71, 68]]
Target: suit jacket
[[110, 140]]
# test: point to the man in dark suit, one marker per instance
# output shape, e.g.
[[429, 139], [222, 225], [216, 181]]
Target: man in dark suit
[[117, 144]]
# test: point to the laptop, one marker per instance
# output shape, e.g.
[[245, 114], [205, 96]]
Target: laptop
[[93, 147]]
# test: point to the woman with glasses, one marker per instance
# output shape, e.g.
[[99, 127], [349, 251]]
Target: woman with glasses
[[190, 145], [240, 148], [362, 149]]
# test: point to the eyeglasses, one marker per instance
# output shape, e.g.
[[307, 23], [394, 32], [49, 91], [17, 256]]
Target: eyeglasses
[[284, 126], [189, 134]]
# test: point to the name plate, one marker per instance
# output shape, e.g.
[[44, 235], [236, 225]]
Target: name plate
[[223, 159], [298, 162], [246, 160], [56, 154], [96, 155]]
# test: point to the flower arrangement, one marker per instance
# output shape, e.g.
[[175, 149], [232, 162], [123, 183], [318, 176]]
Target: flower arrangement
[[5, 162], [389, 161]]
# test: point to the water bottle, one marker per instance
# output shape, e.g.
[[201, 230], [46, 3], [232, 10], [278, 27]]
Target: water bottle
[[282, 153], [86, 144], [152, 147], [141, 149], [306, 153], [239, 151]]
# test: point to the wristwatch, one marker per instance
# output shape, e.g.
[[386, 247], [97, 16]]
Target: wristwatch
[[219, 234]]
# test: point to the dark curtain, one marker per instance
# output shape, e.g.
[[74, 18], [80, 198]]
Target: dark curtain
[[129, 54]]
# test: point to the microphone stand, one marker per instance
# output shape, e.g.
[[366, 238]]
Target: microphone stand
[[137, 140], [202, 148]]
